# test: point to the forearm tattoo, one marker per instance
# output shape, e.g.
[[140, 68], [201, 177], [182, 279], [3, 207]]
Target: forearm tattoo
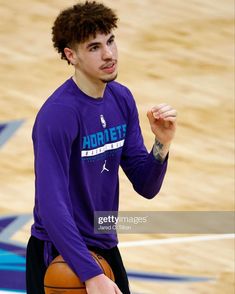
[[158, 151]]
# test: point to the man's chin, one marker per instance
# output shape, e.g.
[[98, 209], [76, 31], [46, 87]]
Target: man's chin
[[110, 79]]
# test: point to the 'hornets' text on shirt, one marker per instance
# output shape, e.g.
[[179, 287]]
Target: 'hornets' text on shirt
[[108, 139]]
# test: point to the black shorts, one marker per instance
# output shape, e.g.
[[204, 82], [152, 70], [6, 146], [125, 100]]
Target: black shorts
[[36, 268]]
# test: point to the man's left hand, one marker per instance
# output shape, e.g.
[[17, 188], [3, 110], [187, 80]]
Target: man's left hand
[[162, 119]]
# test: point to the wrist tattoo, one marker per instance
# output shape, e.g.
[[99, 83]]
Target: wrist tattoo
[[158, 151]]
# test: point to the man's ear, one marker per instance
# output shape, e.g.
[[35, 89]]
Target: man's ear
[[71, 55]]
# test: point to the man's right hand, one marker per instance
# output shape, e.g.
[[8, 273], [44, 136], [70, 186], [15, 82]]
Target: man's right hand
[[101, 285]]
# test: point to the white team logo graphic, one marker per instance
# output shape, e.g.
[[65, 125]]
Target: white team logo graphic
[[104, 168], [103, 122]]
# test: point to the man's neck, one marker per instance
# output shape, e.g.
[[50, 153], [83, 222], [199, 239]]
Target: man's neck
[[90, 88]]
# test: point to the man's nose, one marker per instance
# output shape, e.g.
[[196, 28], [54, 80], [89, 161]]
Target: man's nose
[[107, 53]]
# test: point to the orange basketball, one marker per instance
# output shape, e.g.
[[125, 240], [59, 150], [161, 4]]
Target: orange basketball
[[60, 279]]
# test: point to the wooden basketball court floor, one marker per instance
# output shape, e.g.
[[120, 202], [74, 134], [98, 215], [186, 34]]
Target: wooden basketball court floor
[[174, 51]]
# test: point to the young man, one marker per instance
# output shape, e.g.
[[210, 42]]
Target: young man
[[85, 130]]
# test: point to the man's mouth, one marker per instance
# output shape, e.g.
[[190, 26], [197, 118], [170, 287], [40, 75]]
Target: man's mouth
[[109, 67]]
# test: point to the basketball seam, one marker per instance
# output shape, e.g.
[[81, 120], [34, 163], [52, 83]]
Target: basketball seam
[[64, 288], [58, 262], [105, 261], [96, 258]]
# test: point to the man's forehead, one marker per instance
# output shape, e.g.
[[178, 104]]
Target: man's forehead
[[98, 38]]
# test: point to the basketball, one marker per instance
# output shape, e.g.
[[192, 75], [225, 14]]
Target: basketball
[[60, 278]]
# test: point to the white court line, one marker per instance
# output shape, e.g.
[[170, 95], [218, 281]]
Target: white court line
[[175, 240]]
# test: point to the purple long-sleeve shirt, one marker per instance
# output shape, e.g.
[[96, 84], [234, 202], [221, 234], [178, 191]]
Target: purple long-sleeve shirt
[[79, 144]]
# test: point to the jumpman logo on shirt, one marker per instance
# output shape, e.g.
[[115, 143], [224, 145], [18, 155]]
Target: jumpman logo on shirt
[[104, 167]]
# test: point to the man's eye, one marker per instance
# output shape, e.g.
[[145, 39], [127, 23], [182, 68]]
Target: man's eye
[[110, 41], [94, 48]]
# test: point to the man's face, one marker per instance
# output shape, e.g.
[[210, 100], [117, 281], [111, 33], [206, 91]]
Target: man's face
[[97, 58]]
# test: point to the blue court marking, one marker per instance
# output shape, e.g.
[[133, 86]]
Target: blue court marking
[[7, 129], [10, 225], [4, 222], [12, 262], [12, 268], [2, 127], [6, 291]]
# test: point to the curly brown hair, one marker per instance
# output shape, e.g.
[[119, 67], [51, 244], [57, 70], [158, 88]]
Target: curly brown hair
[[79, 22]]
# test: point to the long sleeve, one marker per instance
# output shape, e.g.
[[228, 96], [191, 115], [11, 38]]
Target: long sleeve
[[143, 170], [55, 130]]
